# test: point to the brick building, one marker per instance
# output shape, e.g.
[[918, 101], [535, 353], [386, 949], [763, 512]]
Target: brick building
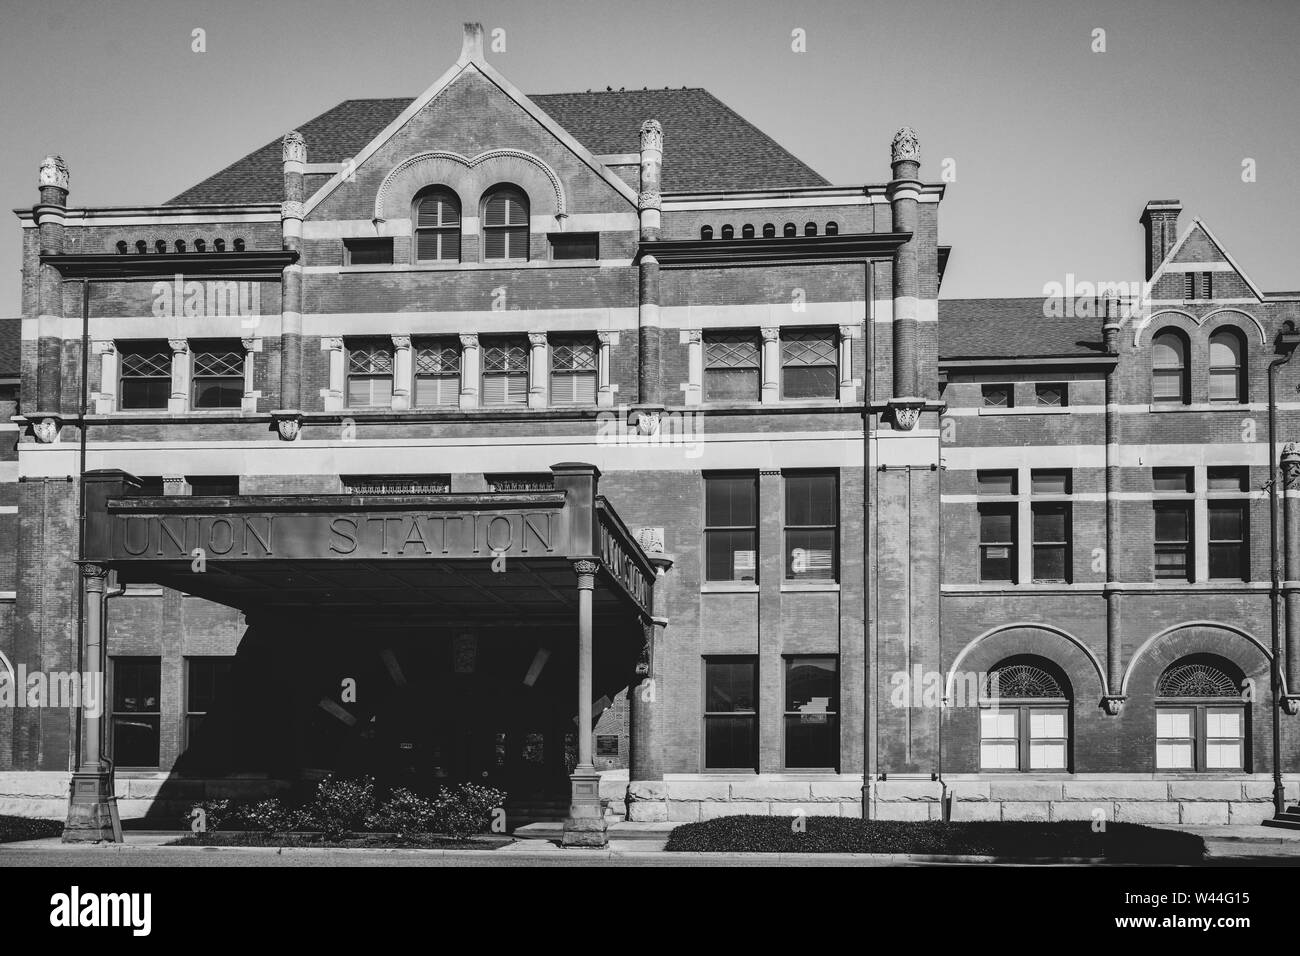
[[445, 427]]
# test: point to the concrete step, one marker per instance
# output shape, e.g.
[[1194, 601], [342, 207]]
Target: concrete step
[[637, 832], [1287, 821]]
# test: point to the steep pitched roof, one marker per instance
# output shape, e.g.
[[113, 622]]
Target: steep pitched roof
[[11, 333], [1013, 328], [707, 145]]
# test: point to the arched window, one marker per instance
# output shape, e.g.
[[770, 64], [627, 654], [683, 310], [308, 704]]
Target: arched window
[[1200, 716], [1169, 384], [505, 224], [437, 227], [747, 231], [810, 228], [790, 230], [1025, 717], [769, 231], [1227, 366], [706, 232], [832, 229], [728, 231]]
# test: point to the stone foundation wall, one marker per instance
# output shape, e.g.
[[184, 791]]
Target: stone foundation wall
[[1240, 800], [158, 796]]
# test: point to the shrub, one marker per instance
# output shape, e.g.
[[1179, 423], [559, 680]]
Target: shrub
[[217, 815], [342, 806], [268, 814], [406, 813], [466, 809]]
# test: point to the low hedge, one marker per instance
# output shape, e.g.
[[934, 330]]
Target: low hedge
[[1119, 842], [13, 829]]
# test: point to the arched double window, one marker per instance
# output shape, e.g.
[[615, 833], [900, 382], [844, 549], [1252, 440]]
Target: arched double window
[[437, 226], [1227, 366], [1201, 716], [505, 224], [1169, 369], [1025, 716]]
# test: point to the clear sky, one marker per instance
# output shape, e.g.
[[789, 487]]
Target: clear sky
[[1056, 147]]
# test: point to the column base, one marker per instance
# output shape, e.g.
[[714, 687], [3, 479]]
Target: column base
[[585, 825], [92, 810]]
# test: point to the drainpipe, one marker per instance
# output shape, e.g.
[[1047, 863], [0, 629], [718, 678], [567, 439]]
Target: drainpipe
[[1287, 340]]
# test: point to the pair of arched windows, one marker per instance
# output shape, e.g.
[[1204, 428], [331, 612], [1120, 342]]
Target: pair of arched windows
[[1171, 380], [438, 222], [1200, 717]]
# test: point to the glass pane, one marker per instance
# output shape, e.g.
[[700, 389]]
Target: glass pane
[[1167, 385], [1043, 482], [1172, 479], [998, 756], [1227, 522], [208, 682], [1050, 563], [996, 482], [218, 392], [494, 244], [437, 390], [996, 526], [997, 723], [1221, 722], [997, 396], [730, 742], [1225, 350], [1227, 561], [1228, 479], [1050, 395], [821, 381], [810, 499], [1172, 523], [1047, 756], [1173, 723], [810, 554], [730, 556], [1224, 385], [1167, 350], [812, 741], [730, 686], [136, 685], [731, 501], [1047, 723], [146, 392], [731, 385], [811, 685], [995, 563], [573, 388], [1223, 756], [135, 741], [1050, 523], [1170, 756]]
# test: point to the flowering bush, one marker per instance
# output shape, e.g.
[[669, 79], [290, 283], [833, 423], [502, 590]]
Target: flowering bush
[[466, 809], [342, 806], [404, 812], [215, 815]]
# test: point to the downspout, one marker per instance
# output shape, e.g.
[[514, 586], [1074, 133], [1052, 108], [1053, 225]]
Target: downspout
[[868, 671], [81, 498]]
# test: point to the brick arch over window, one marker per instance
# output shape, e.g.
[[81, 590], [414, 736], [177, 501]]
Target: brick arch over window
[[1189, 323], [1073, 659], [471, 178], [1240, 648]]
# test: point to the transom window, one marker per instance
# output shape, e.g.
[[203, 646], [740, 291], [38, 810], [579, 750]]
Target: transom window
[[218, 376], [998, 396], [573, 371], [146, 375], [505, 224], [437, 373], [732, 365], [1025, 717], [505, 372], [437, 227], [1200, 717], [370, 373], [809, 364]]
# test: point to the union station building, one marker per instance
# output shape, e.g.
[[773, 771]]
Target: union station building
[[592, 447]]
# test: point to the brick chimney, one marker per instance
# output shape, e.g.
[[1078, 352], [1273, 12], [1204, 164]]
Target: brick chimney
[[1160, 218]]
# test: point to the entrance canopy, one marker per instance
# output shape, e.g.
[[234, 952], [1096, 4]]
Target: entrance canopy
[[467, 558]]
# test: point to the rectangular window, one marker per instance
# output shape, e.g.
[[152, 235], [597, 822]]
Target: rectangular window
[[370, 373], [731, 713], [997, 542], [573, 371], [1052, 561], [1173, 541], [505, 372], [1172, 479], [222, 485], [998, 396], [1228, 478], [1052, 395], [575, 245], [1225, 736], [731, 367], [437, 373], [812, 736], [1048, 738], [731, 528], [146, 375], [1228, 540], [1175, 738], [367, 252], [999, 739], [809, 364], [996, 482], [218, 375], [207, 686], [137, 683], [811, 526], [1050, 481]]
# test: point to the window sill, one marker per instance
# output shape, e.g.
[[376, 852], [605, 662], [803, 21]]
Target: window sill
[[729, 587], [824, 586], [1172, 408], [490, 264], [1046, 410]]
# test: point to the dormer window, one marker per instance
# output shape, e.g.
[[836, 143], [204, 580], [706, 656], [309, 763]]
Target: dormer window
[[505, 224], [437, 227]]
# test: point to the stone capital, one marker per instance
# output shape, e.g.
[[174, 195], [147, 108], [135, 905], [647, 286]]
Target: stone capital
[[294, 148], [906, 146], [652, 135], [469, 340], [54, 172]]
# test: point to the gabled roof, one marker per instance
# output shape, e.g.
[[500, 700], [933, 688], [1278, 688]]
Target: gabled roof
[[1014, 328], [11, 334], [1199, 226], [707, 145]]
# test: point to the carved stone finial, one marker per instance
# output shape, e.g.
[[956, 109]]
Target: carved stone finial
[[1291, 465], [54, 172], [295, 147], [906, 146], [652, 135]]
